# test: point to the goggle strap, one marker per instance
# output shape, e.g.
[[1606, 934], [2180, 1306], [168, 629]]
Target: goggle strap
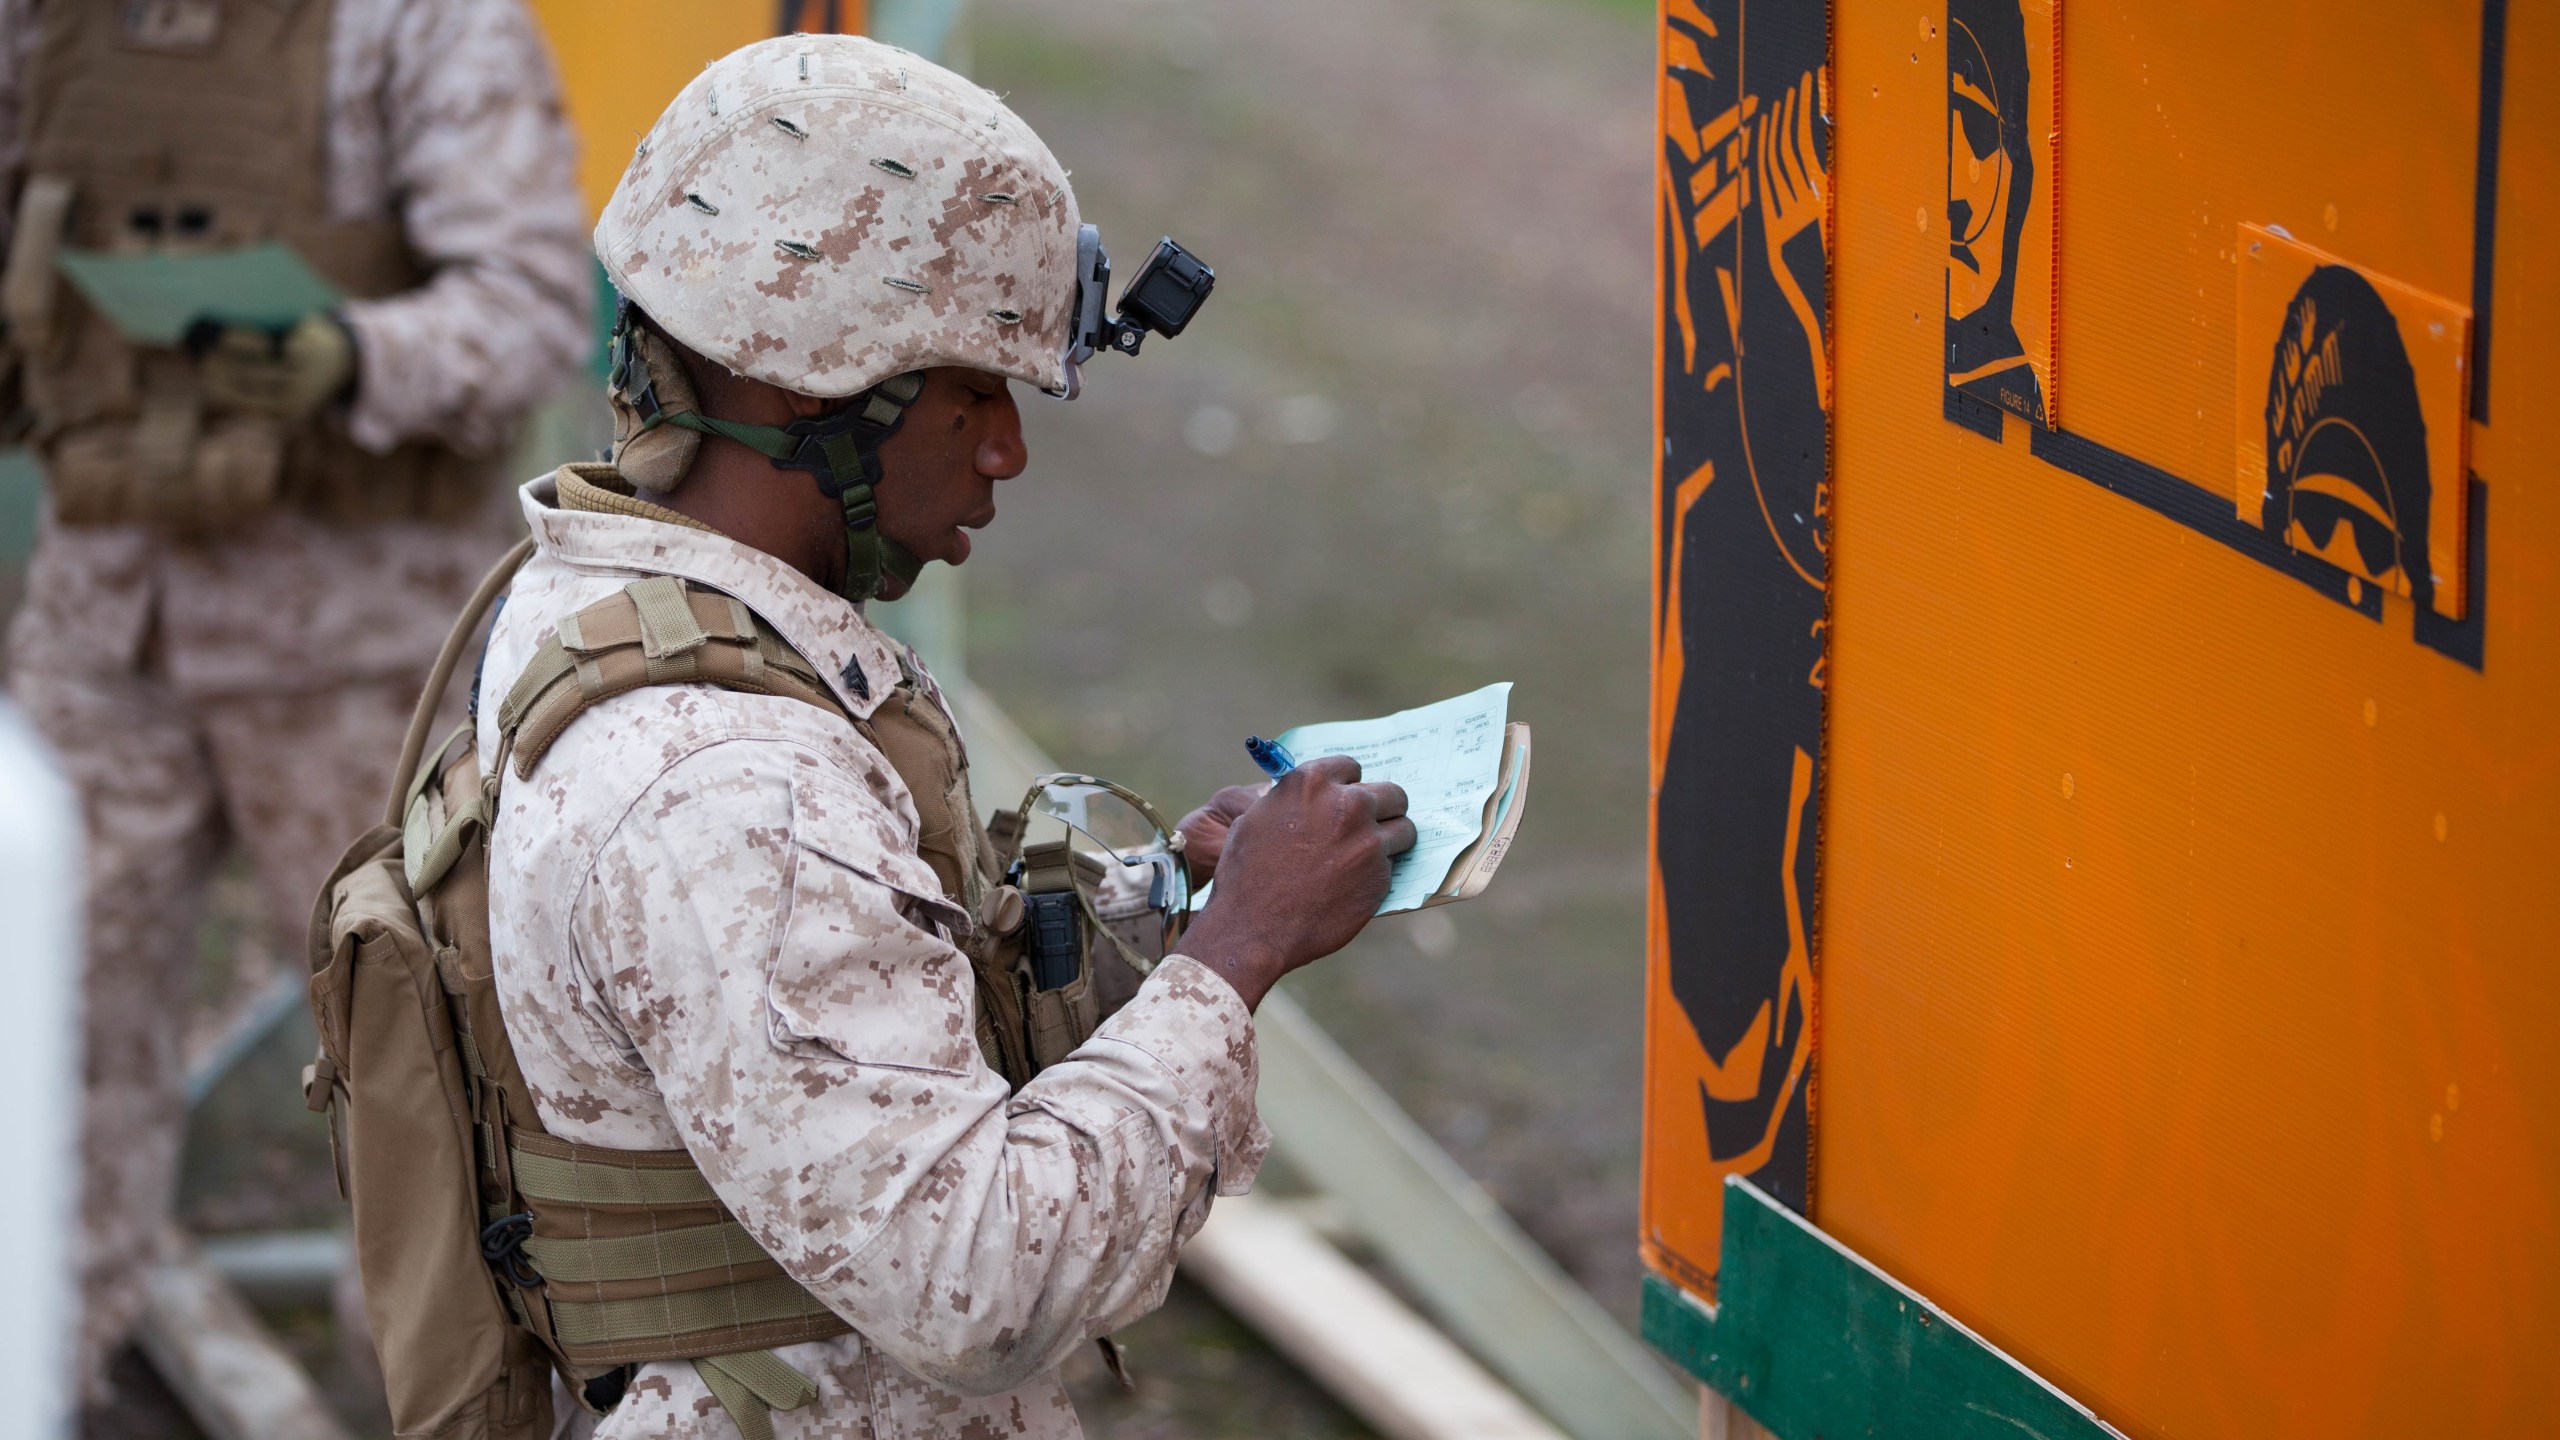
[[1084, 902], [1153, 816]]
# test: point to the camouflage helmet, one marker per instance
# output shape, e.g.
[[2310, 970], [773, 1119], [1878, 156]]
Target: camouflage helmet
[[833, 216], [825, 212]]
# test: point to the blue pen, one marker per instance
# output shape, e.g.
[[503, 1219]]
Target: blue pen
[[1275, 761]]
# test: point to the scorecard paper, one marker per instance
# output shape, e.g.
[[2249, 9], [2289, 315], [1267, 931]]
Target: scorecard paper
[[1464, 766], [1448, 758]]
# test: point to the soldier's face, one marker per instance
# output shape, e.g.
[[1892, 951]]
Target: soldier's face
[[939, 472]]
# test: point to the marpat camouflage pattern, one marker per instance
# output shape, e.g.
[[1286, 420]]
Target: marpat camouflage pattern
[[823, 212], [713, 929], [256, 687]]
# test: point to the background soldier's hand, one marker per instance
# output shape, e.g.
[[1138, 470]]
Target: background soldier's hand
[[1204, 831], [1302, 871], [248, 367]]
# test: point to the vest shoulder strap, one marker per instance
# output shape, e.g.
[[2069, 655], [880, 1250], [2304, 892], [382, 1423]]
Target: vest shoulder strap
[[635, 1257], [657, 631], [620, 1257]]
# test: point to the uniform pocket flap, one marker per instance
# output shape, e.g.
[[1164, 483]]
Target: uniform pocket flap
[[837, 818], [867, 970]]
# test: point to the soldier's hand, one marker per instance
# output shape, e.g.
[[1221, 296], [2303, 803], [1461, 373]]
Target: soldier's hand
[[1303, 869], [245, 367], [1204, 831]]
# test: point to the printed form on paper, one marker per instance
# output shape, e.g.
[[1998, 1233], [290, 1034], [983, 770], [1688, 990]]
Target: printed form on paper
[[1449, 759]]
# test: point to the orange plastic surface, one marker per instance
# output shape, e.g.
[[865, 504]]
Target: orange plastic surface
[[621, 61], [1742, 525], [2190, 941]]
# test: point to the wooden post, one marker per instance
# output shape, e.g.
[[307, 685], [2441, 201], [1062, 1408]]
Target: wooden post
[[1394, 1371], [234, 1378]]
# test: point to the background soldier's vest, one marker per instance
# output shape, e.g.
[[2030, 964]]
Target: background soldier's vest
[[192, 125]]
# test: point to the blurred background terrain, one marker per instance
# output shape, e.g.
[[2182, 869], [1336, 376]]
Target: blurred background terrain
[[1402, 454]]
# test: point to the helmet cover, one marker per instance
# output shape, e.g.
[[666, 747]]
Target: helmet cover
[[824, 212]]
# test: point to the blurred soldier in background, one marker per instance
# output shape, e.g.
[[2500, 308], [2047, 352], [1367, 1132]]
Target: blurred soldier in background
[[252, 543]]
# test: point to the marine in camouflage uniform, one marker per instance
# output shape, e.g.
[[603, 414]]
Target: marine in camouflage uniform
[[714, 932], [249, 680], [714, 922]]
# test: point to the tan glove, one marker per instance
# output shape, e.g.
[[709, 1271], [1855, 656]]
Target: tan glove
[[245, 367]]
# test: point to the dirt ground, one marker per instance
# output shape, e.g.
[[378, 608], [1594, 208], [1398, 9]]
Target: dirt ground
[[1403, 454]]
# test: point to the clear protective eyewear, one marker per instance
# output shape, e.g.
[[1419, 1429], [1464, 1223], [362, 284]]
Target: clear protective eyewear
[[1118, 825]]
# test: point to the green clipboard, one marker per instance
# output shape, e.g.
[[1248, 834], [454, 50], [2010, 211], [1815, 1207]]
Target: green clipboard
[[151, 299]]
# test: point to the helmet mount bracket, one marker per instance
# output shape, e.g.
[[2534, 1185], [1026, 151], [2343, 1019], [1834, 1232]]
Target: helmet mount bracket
[[1162, 297]]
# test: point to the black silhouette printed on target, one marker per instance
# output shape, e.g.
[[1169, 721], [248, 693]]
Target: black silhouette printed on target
[[1991, 181], [1745, 401], [2346, 438]]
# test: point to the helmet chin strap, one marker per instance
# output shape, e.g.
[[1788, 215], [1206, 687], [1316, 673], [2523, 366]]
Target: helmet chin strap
[[841, 450]]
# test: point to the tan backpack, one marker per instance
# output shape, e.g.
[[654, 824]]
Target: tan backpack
[[493, 1252]]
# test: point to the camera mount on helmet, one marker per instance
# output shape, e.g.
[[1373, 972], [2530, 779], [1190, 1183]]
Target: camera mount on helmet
[[1163, 296]]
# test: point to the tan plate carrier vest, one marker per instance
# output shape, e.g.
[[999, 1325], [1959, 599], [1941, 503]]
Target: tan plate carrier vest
[[492, 1250], [186, 126]]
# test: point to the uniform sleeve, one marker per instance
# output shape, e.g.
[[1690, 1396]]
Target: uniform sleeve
[[762, 929], [17, 46], [483, 169]]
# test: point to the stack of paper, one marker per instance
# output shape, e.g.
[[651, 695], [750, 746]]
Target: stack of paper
[[1464, 766]]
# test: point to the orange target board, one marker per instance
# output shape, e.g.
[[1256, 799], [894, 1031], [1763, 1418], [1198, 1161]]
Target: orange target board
[[621, 61], [2107, 888]]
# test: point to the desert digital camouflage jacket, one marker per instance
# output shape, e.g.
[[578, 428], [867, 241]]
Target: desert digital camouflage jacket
[[713, 930]]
